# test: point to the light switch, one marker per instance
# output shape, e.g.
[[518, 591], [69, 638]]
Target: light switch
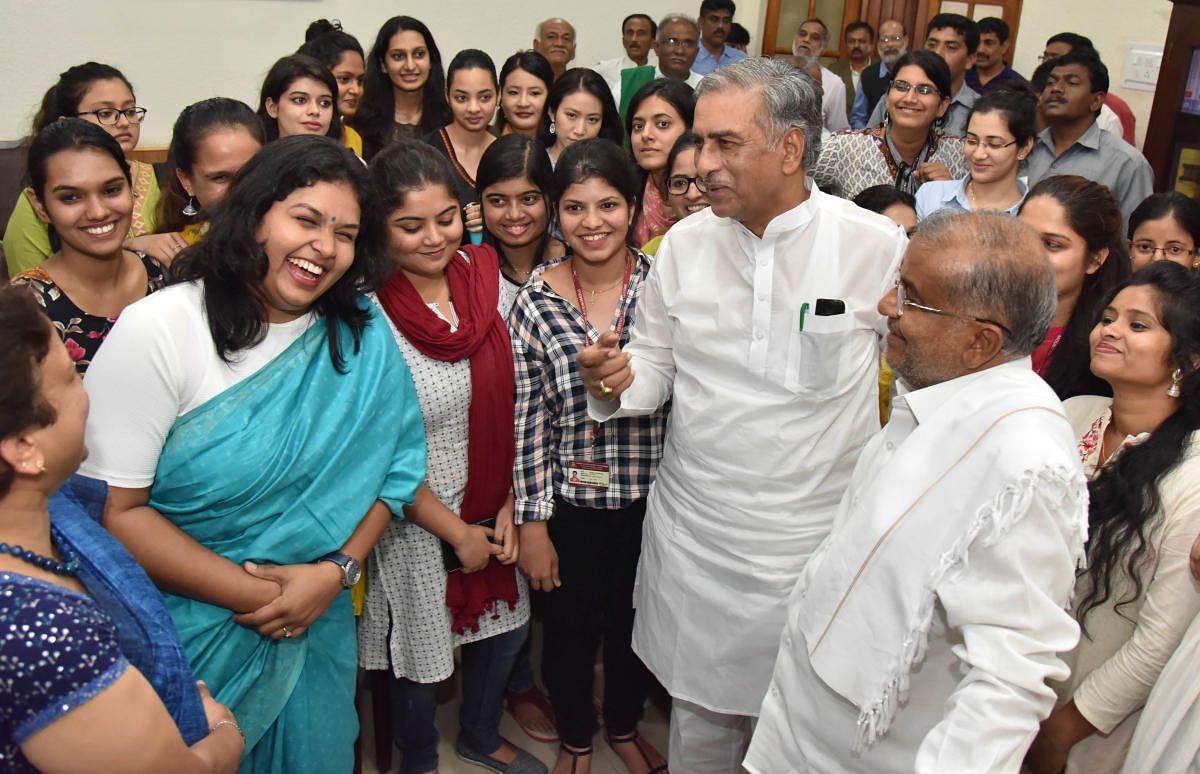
[[1142, 61]]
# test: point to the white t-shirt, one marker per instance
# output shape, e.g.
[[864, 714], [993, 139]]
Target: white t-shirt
[[158, 363]]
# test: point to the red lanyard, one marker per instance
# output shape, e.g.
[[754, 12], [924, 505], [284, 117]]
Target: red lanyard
[[587, 339]]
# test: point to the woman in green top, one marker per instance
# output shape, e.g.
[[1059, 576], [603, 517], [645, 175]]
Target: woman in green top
[[100, 94]]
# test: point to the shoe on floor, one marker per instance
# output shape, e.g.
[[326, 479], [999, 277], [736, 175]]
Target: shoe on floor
[[524, 763]]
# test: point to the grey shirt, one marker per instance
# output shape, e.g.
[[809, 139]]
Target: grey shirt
[[1099, 156], [956, 115]]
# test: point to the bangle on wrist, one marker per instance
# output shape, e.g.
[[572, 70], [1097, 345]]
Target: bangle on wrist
[[233, 724]]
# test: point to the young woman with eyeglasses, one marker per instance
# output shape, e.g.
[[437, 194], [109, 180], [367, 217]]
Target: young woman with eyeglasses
[[1000, 134], [686, 190], [1165, 226], [101, 94], [909, 148]]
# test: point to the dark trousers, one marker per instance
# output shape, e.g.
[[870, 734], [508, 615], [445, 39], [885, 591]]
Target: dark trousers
[[598, 553]]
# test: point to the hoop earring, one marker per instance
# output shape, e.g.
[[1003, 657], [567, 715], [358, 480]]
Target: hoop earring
[[551, 126], [1176, 377], [190, 209]]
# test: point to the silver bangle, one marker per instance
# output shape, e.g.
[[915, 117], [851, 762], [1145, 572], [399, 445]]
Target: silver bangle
[[231, 723]]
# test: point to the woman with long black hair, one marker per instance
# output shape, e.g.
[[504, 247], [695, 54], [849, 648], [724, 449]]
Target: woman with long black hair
[[1137, 597]]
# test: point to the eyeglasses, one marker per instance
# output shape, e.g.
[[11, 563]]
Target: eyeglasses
[[677, 43], [678, 185], [975, 142], [924, 89], [902, 302], [110, 116], [890, 38], [1149, 250]]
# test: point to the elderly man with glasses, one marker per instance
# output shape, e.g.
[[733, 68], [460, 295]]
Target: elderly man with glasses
[[922, 633]]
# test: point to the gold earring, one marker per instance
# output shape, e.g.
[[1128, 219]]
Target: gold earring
[[41, 466]]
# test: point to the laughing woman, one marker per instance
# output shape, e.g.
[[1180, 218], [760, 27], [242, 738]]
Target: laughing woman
[[258, 430], [581, 487], [81, 190]]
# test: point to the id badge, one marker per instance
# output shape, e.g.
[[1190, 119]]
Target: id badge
[[593, 475]]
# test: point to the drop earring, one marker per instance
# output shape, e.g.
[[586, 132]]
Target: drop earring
[[1176, 377], [551, 126], [190, 209]]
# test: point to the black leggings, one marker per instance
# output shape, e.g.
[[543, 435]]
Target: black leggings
[[598, 553]]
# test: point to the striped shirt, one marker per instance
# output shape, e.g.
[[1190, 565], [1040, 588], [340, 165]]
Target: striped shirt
[[552, 424]]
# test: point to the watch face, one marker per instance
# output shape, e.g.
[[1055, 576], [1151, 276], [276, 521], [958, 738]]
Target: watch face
[[353, 572]]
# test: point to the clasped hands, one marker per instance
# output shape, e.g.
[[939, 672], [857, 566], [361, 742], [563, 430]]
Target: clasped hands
[[476, 544], [294, 595], [604, 368]]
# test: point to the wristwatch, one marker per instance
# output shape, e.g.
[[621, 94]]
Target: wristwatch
[[351, 569]]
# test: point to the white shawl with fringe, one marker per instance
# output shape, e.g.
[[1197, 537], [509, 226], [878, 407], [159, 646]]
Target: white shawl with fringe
[[956, 480]]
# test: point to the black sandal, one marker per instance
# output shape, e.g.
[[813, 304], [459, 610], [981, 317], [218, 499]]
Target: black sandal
[[575, 754], [636, 740]]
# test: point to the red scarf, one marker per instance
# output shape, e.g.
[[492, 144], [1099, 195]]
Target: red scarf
[[482, 337]]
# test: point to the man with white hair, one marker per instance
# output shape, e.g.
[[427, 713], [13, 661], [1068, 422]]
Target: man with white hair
[[758, 323], [892, 44], [807, 47], [555, 40], [922, 632]]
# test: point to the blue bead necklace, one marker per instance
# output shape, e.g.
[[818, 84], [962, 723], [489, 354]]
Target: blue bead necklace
[[69, 567]]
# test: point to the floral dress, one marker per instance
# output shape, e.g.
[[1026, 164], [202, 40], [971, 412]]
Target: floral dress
[[81, 332]]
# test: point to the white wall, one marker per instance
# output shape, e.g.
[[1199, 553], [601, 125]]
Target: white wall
[[179, 51], [1111, 24]]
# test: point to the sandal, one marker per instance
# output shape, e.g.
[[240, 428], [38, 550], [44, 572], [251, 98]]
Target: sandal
[[575, 755], [634, 738], [534, 698]]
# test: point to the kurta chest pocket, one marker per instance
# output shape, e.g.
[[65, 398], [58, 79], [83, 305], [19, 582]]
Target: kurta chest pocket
[[816, 351]]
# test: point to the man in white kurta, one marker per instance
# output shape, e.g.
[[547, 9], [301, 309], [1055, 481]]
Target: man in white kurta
[[758, 322], [922, 632]]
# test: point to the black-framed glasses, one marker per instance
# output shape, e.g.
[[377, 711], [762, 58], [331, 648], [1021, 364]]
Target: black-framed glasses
[[110, 116], [1144, 249], [678, 185], [975, 142], [924, 89], [902, 302]]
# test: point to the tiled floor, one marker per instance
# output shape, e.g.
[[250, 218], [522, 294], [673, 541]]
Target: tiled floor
[[604, 761]]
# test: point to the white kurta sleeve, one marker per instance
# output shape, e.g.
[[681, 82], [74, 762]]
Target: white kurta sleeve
[[135, 387], [1121, 684], [651, 345], [1008, 605]]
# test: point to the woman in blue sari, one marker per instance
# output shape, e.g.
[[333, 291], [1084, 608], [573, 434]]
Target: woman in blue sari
[[258, 430]]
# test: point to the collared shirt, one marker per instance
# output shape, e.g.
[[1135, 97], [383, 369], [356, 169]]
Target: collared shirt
[[552, 424], [861, 109], [1016, 523], [1007, 78], [833, 101], [705, 62], [952, 195], [956, 115], [1098, 156], [771, 402]]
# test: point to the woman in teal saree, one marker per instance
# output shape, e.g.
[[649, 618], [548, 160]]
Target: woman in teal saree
[[258, 429]]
